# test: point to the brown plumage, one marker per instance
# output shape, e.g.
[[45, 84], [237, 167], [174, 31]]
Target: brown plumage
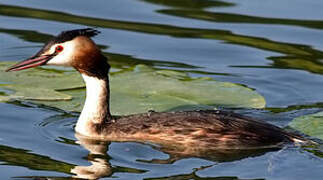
[[220, 129]]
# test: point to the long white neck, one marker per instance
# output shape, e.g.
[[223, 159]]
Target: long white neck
[[96, 110]]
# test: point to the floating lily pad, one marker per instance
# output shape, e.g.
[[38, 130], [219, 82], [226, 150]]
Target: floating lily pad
[[30, 93], [311, 125], [134, 90]]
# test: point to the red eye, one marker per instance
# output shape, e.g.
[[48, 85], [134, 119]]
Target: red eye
[[59, 48]]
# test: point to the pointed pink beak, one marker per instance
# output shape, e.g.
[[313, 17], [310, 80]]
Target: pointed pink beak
[[30, 62]]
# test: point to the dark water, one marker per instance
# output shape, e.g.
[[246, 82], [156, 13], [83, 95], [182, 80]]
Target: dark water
[[274, 47]]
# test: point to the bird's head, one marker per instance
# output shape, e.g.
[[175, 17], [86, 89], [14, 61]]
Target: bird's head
[[70, 48]]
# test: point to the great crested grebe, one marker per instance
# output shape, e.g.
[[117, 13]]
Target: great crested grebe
[[207, 128]]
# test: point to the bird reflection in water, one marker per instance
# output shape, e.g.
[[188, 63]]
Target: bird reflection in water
[[101, 167], [98, 158]]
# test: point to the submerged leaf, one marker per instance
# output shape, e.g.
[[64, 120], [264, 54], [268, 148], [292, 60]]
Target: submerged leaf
[[311, 125], [133, 90]]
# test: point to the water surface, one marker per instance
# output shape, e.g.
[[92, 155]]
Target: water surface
[[274, 47]]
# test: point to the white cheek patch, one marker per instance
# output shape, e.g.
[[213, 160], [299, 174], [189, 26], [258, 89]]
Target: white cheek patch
[[65, 57]]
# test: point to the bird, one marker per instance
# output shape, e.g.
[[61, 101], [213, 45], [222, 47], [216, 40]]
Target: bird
[[206, 129]]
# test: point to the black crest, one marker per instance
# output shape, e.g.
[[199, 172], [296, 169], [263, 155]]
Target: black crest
[[69, 35]]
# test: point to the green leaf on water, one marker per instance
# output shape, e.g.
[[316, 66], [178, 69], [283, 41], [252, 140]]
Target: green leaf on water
[[41, 93], [134, 90], [311, 125]]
